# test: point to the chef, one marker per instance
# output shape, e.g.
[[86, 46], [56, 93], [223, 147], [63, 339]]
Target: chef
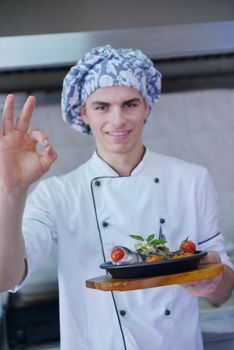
[[123, 189]]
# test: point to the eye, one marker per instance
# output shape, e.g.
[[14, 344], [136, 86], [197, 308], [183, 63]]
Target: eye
[[101, 108], [131, 104]]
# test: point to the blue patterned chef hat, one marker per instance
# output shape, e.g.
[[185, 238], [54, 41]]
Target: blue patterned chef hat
[[103, 67]]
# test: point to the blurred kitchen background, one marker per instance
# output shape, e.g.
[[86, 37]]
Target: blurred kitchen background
[[191, 43]]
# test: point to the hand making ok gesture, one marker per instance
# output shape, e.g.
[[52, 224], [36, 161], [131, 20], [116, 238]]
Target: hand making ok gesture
[[20, 162]]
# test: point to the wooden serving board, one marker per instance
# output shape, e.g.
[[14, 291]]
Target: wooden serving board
[[107, 283]]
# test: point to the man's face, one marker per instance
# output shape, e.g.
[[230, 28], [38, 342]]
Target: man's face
[[116, 117]]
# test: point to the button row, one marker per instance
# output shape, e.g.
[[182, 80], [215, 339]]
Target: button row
[[98, 183], [105, 223], [123, 312]]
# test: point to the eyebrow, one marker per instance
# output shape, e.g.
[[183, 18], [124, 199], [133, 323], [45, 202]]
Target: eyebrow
[[102, 103], [95, 103]]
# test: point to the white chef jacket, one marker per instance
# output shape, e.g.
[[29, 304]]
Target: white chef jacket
[[91, 209]]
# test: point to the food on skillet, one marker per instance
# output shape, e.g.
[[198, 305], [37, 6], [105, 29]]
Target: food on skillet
[[150, 250]]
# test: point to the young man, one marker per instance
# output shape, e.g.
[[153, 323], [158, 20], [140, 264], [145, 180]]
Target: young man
[[123, 189]]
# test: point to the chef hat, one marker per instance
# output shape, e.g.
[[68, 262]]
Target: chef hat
[[103, 67]]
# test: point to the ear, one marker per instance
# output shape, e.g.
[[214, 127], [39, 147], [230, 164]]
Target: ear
[[147, 110], [83, 114]]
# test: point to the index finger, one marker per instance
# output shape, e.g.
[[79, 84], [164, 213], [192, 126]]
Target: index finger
[[8, 115], [23, 121]]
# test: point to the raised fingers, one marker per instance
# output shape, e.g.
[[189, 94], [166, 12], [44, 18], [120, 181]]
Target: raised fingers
[[23, 121], [8, 115]]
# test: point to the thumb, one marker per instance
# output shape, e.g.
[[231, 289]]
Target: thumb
[[211, 258]]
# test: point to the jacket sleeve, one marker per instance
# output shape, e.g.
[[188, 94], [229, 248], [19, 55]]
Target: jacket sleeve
[[210, 236], [39, 227]]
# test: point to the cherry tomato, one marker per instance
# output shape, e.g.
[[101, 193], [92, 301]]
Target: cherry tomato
[[152, 258], [188, 246], [117, 254]]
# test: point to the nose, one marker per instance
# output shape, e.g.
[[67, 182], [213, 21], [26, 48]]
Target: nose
[[117, 117]]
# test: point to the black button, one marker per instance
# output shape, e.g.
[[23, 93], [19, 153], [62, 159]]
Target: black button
[[167, 312], [105, 224], [97, 183], [162, 221], [156, 180], [122, 312]]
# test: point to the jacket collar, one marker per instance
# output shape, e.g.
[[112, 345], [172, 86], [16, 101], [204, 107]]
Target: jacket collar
[[101, 168]]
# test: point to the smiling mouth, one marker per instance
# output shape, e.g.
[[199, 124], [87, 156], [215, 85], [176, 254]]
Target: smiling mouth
[[118, 133]]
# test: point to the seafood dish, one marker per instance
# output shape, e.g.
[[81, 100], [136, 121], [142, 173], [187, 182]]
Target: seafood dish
[[150, 250]]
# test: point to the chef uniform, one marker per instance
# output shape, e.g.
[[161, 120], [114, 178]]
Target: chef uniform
[[91, 209], [87, 212]]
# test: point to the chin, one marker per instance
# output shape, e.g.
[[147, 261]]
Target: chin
[[120, 150]]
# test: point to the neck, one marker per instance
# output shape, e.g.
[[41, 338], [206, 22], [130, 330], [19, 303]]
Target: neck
[[124, 163]]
